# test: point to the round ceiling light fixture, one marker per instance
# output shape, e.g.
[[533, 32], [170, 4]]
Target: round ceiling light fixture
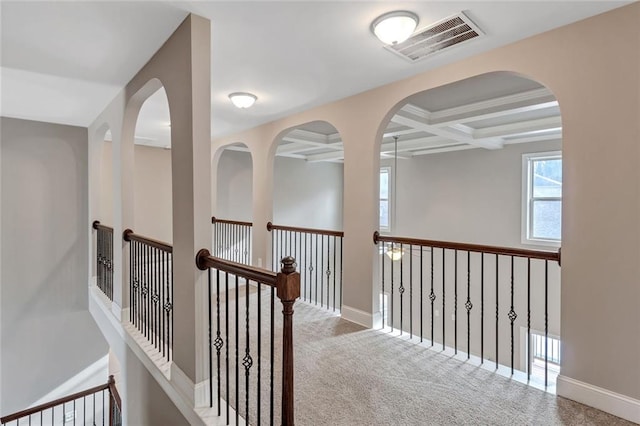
[[394, 27], [243, 99]]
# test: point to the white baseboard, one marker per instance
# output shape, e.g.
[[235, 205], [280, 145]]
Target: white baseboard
[[602, 399], [359, 317]]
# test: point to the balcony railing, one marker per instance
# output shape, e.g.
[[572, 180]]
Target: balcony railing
[[100, 405], [243, 341], [319, 256], [494, 296], [151, 290], [104, 258], [232, 240]]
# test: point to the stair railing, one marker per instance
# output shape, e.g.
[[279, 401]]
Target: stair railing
[[99, 405], [319, 256], [151, 290], [238, 296], [104, 258], [503, 290], [232, 240]]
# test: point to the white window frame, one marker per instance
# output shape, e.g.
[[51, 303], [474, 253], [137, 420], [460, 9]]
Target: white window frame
[[389, 203], [527, 192]]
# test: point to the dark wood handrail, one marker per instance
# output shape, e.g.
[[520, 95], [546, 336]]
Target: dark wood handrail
[[230, 222], [128, 235], [55, 403], [97, 225], [114, 392], [271, 226], [507, 251], [204, 261]]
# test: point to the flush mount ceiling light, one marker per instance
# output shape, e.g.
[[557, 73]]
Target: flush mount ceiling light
[[243, 99], [395, 27]]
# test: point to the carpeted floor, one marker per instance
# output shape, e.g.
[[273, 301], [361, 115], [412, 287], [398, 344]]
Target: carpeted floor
[[348, 375]]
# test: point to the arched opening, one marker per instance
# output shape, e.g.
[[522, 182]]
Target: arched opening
[[471, 172], [308, 207], [233, 203], [153, 214]]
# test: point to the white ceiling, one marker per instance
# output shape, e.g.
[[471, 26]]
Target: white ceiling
[[64, 61]]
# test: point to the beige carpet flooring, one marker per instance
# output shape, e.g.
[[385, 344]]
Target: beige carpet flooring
[[348, 375]]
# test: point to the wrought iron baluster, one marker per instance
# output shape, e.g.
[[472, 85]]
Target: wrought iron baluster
[[512, 315], [382, 273], [529, 318], [401, 288], [391, 305], [259, 381], [444, 315], [455, 301], [546, 322], [247, 361], [237, 342], [271, 356], [334, 273], [411, 291], [421, 293], [432, 298], [468, 305], [481, 308], [497, 309]]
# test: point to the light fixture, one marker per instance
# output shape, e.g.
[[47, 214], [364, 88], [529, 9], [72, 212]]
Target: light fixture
[[394, 253], [243, 99], [395, 27]]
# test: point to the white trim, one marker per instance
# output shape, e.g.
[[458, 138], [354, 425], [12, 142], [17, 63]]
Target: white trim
[[602, 399], [183, 383], [118, 337], [524, 205], [359, 317], [116, 310]]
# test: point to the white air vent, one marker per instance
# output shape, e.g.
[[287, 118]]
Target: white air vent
[[442, 35]]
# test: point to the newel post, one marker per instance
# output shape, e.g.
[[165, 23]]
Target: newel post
[[288, 288]]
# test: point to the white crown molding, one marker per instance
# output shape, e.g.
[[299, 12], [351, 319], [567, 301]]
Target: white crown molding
[[597, 397]]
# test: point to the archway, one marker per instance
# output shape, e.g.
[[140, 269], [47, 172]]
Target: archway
[[474, 179], [233, 203], [152, 171], [308, 183]]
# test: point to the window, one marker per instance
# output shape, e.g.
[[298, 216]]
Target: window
[[385, 180], [542, 198]]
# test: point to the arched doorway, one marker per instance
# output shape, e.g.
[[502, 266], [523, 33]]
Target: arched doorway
[[471, 173], [307, 209], [233, 203]]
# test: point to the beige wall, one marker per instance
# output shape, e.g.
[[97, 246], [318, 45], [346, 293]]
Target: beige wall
[[593, 68], [182, 67], [152, 193]]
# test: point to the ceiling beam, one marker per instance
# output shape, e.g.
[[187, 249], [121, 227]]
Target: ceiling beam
[[520, 127], [417, 122]]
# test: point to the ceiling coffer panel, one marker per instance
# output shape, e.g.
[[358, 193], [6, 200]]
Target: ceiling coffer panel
[[435, 38]]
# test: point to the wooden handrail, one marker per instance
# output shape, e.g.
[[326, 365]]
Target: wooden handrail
[[128, 235], [230, 222], [506, 251], [114, 392], [97, 225], [271, 226], [55, 403], [204, 261]]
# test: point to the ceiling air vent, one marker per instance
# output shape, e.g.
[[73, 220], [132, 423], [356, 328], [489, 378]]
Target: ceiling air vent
[[442, 35]]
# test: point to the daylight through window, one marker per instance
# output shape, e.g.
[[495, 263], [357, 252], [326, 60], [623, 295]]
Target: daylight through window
[[385, 173], [542, 209]]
